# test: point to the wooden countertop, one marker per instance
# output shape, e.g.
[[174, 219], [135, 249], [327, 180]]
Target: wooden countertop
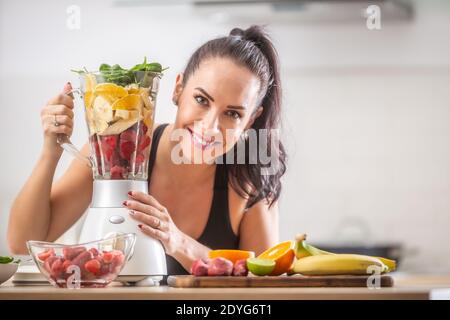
[[406, 287]]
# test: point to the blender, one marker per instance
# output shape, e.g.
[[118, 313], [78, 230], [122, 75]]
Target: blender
[[119, 118]]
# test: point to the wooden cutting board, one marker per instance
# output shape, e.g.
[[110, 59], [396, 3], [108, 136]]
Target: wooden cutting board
[[189, 281]]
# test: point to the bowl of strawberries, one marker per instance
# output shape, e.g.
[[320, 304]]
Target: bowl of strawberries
[[93, 264]]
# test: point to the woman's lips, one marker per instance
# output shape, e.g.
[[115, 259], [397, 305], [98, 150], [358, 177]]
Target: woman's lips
[[201, 141]]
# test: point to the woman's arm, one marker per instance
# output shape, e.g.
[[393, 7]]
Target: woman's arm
[[44, 212], [189, 250], [259, 227]]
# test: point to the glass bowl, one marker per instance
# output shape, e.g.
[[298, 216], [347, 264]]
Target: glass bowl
[[88, 265]]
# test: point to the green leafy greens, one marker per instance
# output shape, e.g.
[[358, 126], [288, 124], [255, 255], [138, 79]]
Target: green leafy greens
[[6, 260], [122, 77]]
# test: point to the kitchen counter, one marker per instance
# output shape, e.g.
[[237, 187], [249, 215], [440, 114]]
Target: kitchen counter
[[406, 287]]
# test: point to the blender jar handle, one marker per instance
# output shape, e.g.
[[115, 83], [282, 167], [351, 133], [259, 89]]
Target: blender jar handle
[[65, 143]]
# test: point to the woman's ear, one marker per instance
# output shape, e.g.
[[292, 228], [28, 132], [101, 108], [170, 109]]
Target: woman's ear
[[178, 88], [254, 116]]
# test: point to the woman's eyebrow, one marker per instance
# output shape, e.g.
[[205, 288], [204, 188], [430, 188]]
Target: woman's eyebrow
[[237, 107], [205, 93]]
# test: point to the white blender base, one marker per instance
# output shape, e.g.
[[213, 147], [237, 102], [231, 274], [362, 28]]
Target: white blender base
[[148, 259]]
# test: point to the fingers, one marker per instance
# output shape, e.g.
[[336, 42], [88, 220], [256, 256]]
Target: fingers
[[61, 119], [57, 109], [61, 98], [151, 221], [146, 198], [147, 209], [51, 128], [60, 113], [154, 233]]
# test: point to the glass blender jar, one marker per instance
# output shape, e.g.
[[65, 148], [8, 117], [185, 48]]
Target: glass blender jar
[[119, 116]]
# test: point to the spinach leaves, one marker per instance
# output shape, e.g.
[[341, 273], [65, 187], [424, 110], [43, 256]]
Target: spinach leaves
[[140, 73], [6, 260]]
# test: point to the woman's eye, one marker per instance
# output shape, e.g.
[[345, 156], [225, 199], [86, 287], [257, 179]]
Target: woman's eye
[[201, 100], [234, 114]]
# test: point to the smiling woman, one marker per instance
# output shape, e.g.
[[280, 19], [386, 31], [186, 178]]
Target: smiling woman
[[231, 85], [242, 68]]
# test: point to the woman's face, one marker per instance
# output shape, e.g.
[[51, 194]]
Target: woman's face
[[215, 106]]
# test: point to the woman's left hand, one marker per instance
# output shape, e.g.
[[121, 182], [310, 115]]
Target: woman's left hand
[[155, 220]]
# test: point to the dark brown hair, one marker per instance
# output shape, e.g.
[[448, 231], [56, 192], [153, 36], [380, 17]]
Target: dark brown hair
[[253, 49]]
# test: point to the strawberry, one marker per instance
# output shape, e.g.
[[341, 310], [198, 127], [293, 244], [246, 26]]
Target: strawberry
[[128, 135], [126, 149], [140, 158], [111, 141], [144, 143], [66, 264], [92, 266], [71, 252], [57, 267], [117, 262], [107, 256], [46, 254], [144, 128], [118, 172], [199, 268], [94, 251], [48, 263], [108, 152], [81, 259]]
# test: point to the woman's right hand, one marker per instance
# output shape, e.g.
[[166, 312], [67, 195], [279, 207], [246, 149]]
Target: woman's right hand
[[59, 110]]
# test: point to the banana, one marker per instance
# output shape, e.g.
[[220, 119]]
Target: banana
[[338, 264], [303, 249], [126, 114], [145, 95], [103, 110], [119, 126]]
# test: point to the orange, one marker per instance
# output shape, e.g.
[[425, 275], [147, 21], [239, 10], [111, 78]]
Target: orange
[[129, 102], [283, 254], [232, 255]]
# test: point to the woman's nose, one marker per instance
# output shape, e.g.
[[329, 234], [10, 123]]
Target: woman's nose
[[211, 122]]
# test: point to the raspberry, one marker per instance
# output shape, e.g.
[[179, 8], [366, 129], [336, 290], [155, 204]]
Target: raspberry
[[144, 143], [117, 172], [126, 149]]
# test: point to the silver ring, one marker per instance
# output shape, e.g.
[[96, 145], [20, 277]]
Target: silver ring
[[56, 123]]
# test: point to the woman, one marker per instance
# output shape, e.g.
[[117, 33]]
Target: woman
[[230, 83]]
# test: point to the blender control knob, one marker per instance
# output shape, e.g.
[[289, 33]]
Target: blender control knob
[[116, 219]]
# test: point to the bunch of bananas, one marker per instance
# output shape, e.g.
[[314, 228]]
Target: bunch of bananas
[[313, 261]]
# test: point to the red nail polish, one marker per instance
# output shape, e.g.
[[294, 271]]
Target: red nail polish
[[124, 203], [130, 193], [140, 226]]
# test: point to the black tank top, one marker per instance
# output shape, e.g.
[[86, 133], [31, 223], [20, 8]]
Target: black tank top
[[218, 233]]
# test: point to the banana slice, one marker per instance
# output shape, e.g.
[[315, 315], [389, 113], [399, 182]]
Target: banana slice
[[146, 98], [119, 126], [126, 114], [148, 117], [132, 88], [102, 110], [89, 84], [94, 125]]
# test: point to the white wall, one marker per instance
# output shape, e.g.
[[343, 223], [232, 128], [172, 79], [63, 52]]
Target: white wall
[[366, 112]]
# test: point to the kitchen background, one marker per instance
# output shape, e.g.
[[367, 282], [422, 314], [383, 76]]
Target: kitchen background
[[366, 112]]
